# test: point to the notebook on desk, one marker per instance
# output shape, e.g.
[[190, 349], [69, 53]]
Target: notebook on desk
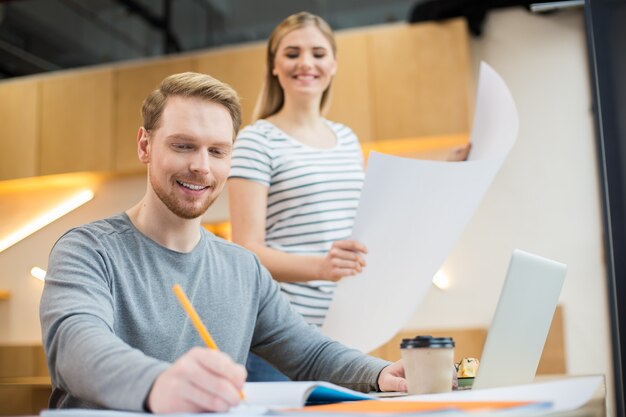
[[521, 322]]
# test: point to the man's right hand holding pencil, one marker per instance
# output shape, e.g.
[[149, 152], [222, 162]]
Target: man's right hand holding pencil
[[201, 380]]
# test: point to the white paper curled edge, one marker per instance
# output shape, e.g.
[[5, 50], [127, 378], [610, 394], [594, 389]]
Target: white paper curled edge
[[410, 216]]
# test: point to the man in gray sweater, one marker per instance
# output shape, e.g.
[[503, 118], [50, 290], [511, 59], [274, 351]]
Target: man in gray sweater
[[114, 333]]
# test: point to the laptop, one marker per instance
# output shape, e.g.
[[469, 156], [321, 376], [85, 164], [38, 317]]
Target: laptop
[[521, 322]]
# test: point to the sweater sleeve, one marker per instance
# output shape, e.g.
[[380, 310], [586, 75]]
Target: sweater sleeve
[[88, 363], [299, 350]]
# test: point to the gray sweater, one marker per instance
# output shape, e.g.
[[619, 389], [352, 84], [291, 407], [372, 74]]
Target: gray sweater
[[111, 323]]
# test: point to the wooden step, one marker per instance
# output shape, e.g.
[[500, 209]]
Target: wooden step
[[24, 395]]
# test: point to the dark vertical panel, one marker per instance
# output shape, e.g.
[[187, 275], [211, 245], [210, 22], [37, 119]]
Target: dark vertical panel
[[606, 35]]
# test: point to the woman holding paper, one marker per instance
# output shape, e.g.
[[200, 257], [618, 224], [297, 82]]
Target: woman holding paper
[[296, 177]]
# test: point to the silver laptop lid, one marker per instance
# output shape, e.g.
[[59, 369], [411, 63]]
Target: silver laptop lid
[[521, 322]]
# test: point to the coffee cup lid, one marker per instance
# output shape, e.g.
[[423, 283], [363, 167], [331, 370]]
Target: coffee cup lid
[[427, 342]]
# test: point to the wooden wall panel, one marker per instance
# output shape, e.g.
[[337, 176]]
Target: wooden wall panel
[[19, 129], [553, 356], [22, 361], [241, 67], [350, 100], [24, 382], [469, 342], [132, 84], [420, 79], [393, 82], [23, 400], [76, 122]]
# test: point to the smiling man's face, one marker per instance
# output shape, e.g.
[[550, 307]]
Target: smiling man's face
[[188, 155]]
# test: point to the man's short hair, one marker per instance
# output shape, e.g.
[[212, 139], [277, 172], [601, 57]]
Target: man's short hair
[[190, 84]]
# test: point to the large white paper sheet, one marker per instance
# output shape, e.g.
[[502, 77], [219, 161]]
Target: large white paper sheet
[[563, 394], [410, 216]]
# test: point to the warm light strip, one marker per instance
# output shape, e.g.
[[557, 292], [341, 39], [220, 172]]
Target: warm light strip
[[38, 273], [47, 218], [417, 144], [441, 281]]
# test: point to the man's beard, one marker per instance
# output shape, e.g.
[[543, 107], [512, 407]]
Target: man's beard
[[180, 207]]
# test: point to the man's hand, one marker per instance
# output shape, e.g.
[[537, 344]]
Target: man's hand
[[343, 259], [392, 378], [200, 380]]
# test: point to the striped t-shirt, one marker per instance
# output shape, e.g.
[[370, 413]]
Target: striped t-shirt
[[312, 195]]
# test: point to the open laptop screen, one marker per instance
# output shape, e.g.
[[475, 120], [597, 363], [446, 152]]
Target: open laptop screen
[[521, 322]]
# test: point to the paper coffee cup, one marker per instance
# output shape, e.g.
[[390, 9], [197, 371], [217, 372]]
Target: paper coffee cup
[[428, 364]]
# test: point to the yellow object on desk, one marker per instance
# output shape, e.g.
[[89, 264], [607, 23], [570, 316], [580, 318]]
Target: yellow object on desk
[[195, 319], [468, 367]]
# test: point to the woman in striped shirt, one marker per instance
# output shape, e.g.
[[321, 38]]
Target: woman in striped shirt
[[296, 177]]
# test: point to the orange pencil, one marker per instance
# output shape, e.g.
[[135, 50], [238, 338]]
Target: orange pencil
[[195, 319]]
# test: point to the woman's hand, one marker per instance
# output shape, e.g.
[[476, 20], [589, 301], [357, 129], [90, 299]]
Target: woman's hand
[[344, 259], [460, 153]]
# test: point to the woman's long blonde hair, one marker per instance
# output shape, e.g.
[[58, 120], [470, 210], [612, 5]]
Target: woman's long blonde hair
[[272, 97]]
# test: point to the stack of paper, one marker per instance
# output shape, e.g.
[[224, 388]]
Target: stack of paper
[[289, 398]]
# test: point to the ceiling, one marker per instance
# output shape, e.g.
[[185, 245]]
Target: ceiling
[[45, 35]]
